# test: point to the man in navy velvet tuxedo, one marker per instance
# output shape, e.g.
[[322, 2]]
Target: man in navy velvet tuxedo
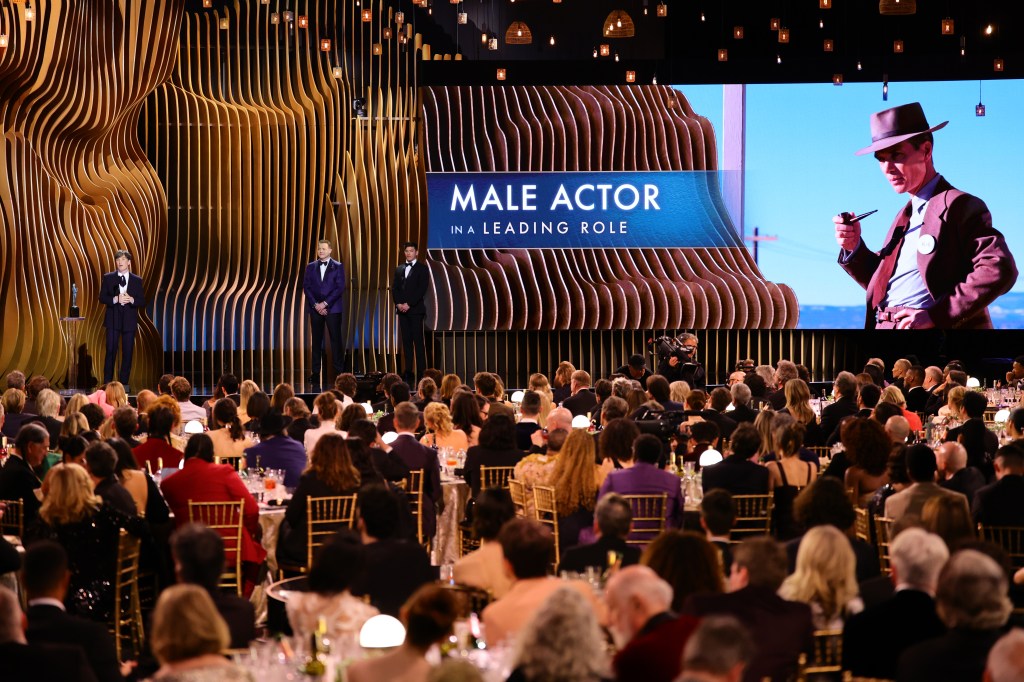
[[324, 285], [121, 291]]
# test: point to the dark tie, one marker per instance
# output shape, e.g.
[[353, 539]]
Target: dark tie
[[890, 254], [323, 271], [122, 280], [408, 267]]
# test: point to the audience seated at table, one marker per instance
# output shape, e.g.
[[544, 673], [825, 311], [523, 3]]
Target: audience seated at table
[[867, 447], [327, 409], [157, 451], [188, 638], [563, 641], [649, 635], [335, 565], [198, 553], [441, 432], [13, 413], [484, 568], [496, 448], [787, 475], [89, 531], [612, 521], [101, 463], [394, 566], [18, 481], [688, 562], [32, 662], [398, 393], [906, 506], [384, 461], [276, 450], [738, 473], [825, 578], [719, 650], [45, 579], [798, 406], [422, 458], [330, 473], [467, 415], [717, 518], [575, 480], [181, 389], [428, 615], [529, 422], [226, 432], [1000, 503], [781, 628], [640, 475]]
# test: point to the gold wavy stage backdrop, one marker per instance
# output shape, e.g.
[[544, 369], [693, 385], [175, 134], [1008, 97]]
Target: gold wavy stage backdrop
[[217, 145]]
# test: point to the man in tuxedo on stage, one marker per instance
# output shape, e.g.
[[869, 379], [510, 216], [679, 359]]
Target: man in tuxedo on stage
[[324, 284], [412, 279], [121, 291]]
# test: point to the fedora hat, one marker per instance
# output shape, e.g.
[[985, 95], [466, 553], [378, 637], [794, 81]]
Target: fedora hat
[[892, 126], [273, 423]]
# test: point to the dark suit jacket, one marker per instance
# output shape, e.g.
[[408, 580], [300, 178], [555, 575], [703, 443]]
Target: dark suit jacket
[[874, 639], [330, 289], [969, 268], [115, 494], [44, 663], [917, 398], [968, 481], [655, 653], [240, 616], [832, 414], [596, 554], [51, 625], [121, 317], [291, 540], [10, 558], [416, 456], [15, 420], [957, 656], [388, 464], [524, 431], [393, 570], [583, 402], [478, 456], [782, 629], [18, 482], [1000, 503], [743, 413], [737, 475], [412, 289], [624, 371]]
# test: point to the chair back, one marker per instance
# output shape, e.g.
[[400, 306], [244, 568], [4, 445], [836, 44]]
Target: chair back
[[518, 492], [13, 520], [227, 519], [468, 542], [826, 655], [470, 599], [127, 618], [414, 491], [1010, 538], [753, 515], [547, 512], [495, 477], [862, 524], [849, 677], [648, 517], [324, 517], [234, 460], [883, 536]]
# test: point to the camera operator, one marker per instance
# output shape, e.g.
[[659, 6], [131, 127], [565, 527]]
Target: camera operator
[[681, 364]]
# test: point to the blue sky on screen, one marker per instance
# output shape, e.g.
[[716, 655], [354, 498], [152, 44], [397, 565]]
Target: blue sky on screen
[[801, 169]]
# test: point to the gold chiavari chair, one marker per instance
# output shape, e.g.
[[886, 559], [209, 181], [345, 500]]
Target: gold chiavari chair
[[495, 477], [648, 517], [547, 512], [1010, 538], [13, 520], [518, 492], [325, 516], [414, 491], [126, 625], [862, 524], [227, 519], [753, 516], [883, 536], [234, 460], [826, 656]]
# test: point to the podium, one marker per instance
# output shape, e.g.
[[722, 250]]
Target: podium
[[69, 327]]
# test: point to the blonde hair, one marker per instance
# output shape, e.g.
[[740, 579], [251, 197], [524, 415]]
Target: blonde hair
[[187, 625], [499, 388], [75, 404], [438, 419], [678, 390], [563, 375], [826, 572], [763, 424], [70, 497], [893, 395], [449, 382], [955, 399], [13, 401], [798, 397], [73, 425], [245, 392], [116, 396], [47, 403], [574, 477]]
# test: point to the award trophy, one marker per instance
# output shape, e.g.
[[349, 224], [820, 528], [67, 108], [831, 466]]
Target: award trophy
[[73, 310]]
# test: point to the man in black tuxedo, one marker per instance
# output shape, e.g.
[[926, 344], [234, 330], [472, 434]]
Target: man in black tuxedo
[[121, 292], [999, 504], [741, 412], [612, 519], [45, 578], [874, 638], [412, 279], [324, 285], [737, 473], [25, 662], [913, 390], [845, 391], [416, 456], [582, 400], [18, 479], [954, 474]]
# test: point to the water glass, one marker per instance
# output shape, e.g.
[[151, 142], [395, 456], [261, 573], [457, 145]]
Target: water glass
[[447, 573]]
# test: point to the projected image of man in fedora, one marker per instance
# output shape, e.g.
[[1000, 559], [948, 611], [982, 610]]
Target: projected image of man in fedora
[[942, 263]]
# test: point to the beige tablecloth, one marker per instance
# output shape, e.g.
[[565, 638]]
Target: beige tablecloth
[[446, 542]]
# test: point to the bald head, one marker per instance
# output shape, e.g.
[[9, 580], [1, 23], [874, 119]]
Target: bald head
[[560, 418], [898, 429], [635, 595], [951, 458]]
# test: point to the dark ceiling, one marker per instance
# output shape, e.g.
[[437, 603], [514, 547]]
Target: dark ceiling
[[683, 48]]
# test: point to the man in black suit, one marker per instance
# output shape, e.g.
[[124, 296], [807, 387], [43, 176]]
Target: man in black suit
[[741, 411], [18, 480], [999, 504], [198, 553], [101, 463], [45, 579], [582, 401], [324, 285], [954, 474], [398, 393], [781, 628], [121, 292], [717, 517], [845, 391], [737, 473], [874, 639], [529, 422], [412, 279], [974, 407], [612, 519], [21, 661], [416, 456]]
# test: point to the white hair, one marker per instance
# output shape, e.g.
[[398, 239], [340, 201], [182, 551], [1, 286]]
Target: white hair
[[642, 583], [973, 592], [740, 394], [562, 641], [1006, 659], [898, 428], [918, 556]]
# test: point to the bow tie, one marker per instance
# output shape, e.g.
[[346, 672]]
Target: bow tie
[[122, 280], [409, 263], [324, 262]]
